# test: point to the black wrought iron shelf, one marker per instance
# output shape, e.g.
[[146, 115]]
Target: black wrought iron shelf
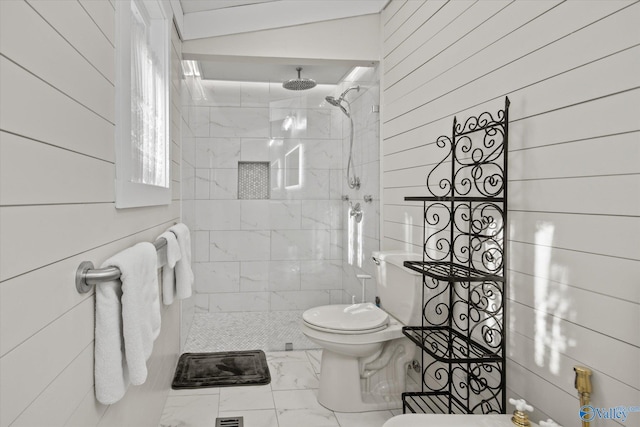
[[462, 333], [432, 403], [461, 199], [448, 345], [452, 272]]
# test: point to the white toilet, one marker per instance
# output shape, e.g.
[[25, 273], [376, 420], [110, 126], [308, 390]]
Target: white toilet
[[365, 354]]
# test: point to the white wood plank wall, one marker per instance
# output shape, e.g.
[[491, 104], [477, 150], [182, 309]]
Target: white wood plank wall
[[57, 209], [572, 72]]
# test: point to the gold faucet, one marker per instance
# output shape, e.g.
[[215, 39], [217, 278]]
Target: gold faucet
[[583, 385], [520, 417]]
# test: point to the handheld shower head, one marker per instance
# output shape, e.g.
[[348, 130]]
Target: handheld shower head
[[333, 101], [338, 102], [352, 181]]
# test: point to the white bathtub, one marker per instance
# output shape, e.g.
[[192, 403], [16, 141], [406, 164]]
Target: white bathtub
[[438, 420]]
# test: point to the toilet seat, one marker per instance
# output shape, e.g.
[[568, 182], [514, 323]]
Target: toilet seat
[[348, 319]]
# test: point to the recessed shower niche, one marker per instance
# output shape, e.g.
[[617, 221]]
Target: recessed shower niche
[[253, 180]]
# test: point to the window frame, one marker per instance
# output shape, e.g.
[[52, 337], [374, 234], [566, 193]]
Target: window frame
[[129, 194]]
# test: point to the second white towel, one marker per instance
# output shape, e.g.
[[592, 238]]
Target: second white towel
[[168, 273], [184, 274]]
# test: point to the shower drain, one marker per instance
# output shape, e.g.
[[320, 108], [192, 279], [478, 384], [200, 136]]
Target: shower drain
[[229, 422]]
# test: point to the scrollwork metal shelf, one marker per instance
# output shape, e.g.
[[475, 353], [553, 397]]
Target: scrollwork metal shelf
[[444, 270], [463, 267], [448, 345], [433, 403], [452, 199]]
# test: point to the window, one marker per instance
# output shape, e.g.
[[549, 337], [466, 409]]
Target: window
[[142, 102]]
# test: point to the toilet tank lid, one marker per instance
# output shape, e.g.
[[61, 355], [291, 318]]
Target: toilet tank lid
[[396, 257]]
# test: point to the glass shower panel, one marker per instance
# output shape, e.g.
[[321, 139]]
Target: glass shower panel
[[260, 263], [305, 264]]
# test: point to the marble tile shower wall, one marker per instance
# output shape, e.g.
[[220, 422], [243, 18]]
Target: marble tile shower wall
[[278, 254]]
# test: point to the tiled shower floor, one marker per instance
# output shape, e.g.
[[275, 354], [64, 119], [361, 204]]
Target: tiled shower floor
[[246, 331]]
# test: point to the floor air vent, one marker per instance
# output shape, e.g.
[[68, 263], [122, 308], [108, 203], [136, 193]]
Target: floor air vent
[[229, 422]]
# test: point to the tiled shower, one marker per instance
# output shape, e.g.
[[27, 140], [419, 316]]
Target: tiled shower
[[265, 195]]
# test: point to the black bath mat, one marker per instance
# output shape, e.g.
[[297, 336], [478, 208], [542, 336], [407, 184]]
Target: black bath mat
[[223, 369]]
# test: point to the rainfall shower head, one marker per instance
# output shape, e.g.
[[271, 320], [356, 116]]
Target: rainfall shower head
[[299, 83]]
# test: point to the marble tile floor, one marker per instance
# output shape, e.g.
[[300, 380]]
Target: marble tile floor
[[289, 401]]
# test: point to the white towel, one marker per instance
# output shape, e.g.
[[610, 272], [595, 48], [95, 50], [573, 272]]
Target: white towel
[[127, 322], [184, 274], [110, 369], [168, 274]]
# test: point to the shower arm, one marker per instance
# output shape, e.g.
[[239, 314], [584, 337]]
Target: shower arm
[[342, 95]]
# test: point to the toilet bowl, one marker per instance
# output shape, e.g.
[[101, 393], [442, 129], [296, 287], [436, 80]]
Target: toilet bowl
[[347, 329], [364, 353]]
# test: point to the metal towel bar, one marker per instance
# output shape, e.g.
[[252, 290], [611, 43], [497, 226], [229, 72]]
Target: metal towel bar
[[87, 275]]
